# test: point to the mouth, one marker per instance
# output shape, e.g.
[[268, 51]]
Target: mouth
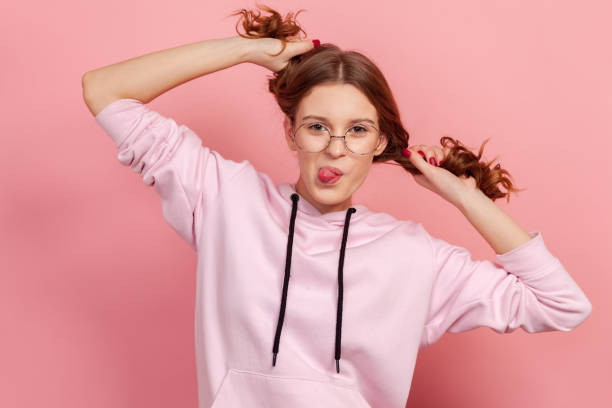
[[329, 174], [331, 169]]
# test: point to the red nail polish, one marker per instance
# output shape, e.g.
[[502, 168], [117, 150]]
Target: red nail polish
[[432, 160], [422, 154], [441, 161], [406, 152], [316, 43]]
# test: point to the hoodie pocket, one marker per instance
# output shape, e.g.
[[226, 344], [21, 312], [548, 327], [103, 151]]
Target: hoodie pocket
[[251, 389]]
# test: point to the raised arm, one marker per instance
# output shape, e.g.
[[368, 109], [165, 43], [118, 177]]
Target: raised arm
[[146, 77], [169, 156]]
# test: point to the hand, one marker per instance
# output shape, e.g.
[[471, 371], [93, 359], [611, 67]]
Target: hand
[[264, 49], [434, 178]]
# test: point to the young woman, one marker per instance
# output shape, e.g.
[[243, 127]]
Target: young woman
[[367, 290]]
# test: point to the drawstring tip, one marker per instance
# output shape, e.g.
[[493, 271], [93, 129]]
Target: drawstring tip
[[337, 365], [274, 360]]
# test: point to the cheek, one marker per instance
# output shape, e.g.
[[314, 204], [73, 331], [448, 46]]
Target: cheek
[[307, 163], [361, 169]]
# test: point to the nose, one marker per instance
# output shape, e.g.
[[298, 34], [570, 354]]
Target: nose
[[337, 148]]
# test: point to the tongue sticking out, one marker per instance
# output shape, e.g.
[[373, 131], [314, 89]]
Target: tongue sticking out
[[326, 174]]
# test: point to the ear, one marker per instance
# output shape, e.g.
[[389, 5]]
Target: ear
[[383, 145], [287, 131]]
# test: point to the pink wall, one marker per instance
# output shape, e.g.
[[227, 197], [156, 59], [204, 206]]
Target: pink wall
[[97, 291]]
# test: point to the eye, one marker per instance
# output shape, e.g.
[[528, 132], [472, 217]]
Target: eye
[[360, 127], [313, 126]]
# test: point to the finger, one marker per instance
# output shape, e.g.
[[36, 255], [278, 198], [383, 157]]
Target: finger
[[417, 160], [300, 47], [429, 154], [439, 154], [421, 150], [433, 156]]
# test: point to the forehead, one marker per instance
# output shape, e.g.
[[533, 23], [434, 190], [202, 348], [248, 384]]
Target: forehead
[[341, 104]]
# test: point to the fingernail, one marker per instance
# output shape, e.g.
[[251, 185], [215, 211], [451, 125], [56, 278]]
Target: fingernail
[[441, 161], [432, 160], [406, 152], [316, 43], [422, 154]]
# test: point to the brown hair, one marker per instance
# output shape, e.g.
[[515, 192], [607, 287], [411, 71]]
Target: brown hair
[[329, 64]]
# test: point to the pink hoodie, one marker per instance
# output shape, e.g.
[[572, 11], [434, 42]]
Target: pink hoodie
[[346, 329]]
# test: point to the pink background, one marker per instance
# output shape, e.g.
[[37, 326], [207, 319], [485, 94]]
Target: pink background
[[97, 290]]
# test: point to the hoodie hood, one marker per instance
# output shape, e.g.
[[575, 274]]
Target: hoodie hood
[[316, 233]]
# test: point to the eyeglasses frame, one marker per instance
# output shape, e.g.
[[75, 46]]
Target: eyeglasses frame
[[293, 132]]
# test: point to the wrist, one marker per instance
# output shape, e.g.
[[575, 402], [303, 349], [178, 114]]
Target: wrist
[[248, 46]]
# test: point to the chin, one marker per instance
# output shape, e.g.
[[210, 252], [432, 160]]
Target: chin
[[329, 194]]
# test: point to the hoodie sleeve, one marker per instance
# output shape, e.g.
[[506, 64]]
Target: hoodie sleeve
[[528, 287], [170, 157]]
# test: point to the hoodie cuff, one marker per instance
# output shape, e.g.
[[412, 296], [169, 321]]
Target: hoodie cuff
[[531, 255], [118, 115]]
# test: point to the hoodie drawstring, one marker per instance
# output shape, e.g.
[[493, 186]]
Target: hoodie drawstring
[[281, 317]]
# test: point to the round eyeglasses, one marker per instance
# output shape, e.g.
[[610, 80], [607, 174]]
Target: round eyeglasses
[[314, 137]]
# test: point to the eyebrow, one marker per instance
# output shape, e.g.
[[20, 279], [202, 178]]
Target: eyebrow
[[321, 118]]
